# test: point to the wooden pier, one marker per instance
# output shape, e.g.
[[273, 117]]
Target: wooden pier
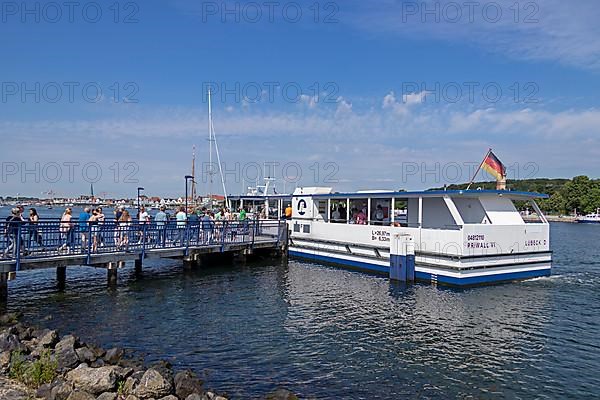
[[111, 246]]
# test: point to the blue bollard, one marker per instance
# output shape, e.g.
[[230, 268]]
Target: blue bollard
[[402, 258]]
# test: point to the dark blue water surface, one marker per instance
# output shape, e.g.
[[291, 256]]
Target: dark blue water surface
[[329, 333]]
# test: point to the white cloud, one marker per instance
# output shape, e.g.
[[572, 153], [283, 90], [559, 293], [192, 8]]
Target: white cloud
[[554, 30], [344, 107], [310, 101], [366, 144], [411, 99]]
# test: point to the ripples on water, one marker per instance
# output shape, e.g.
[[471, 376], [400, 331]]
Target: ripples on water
[[329, 333]]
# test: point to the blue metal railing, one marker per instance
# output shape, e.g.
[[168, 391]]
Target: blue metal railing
[[24, 241]]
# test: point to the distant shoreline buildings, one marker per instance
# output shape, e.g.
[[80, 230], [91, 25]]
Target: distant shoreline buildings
[[86, 200]]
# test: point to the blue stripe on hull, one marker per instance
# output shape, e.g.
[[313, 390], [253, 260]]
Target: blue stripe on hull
[[350, 263], [482, 280], [425, 276]]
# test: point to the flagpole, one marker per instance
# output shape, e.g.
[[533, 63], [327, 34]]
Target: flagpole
[[479, 168]]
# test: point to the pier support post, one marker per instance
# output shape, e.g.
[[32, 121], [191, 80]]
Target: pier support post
[[61, 277], [283, 252], [3, 287], [138, 266], [111, 273], [189, 262]]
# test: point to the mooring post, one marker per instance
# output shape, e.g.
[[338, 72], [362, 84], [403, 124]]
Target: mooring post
[[111, 272], [61, 277], [285, 242], [402, 258], [240, 257], [138, 266], [188, 263], [3, 287]]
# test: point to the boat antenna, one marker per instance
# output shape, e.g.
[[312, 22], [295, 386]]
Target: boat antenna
[[213, 141]]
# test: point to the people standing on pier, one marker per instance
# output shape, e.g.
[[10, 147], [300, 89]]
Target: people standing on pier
[[207, 227], [194, 223], [94, 229], [118, 213], [67, 231], [218, 224], [12, 233], [33, 229], [181, 218], [161, 219], [84, 227], [123, 228], [143, 218], [101, 226], [288, 211], [23, 231]]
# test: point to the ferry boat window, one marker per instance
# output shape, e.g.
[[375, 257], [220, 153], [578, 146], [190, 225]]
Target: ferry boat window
[[339, 214], [470, 210], [401, 212], [436, 214], [358, 211], [528, 212], [380, 211], [321, 207], [273, 209]]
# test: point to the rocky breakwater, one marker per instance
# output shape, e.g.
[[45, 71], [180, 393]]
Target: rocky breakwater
[[39, 363]]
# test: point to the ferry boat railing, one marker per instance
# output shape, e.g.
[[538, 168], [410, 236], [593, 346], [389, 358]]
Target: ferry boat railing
[[21, 241], [396, 224]]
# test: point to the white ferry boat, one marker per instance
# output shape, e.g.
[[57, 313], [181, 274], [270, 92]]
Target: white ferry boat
[[460, 238], [590, 218]]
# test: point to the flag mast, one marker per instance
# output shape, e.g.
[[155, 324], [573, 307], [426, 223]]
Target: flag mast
[[479, 168]]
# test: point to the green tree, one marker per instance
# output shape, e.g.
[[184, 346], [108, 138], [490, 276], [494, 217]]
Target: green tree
[[582, 194]]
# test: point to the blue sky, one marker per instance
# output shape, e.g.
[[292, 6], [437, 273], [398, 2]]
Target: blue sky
[[362, 95]]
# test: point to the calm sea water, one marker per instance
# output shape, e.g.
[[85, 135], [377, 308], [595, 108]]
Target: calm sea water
[[325, 332]]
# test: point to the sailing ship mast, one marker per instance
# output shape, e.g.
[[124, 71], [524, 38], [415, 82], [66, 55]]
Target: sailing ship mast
[[193, 174], [213, 143]]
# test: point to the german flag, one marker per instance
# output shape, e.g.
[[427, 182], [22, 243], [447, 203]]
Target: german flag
[[494, 167]]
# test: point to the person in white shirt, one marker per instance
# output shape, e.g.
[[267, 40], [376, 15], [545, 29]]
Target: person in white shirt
[[144, 218], [335, 215], [181, 218]]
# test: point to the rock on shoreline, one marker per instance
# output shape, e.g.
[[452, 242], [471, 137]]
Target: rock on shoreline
[[39, 363]]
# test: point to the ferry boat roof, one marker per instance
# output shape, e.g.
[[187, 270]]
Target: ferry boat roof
[[516, 195], [258, 197]]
